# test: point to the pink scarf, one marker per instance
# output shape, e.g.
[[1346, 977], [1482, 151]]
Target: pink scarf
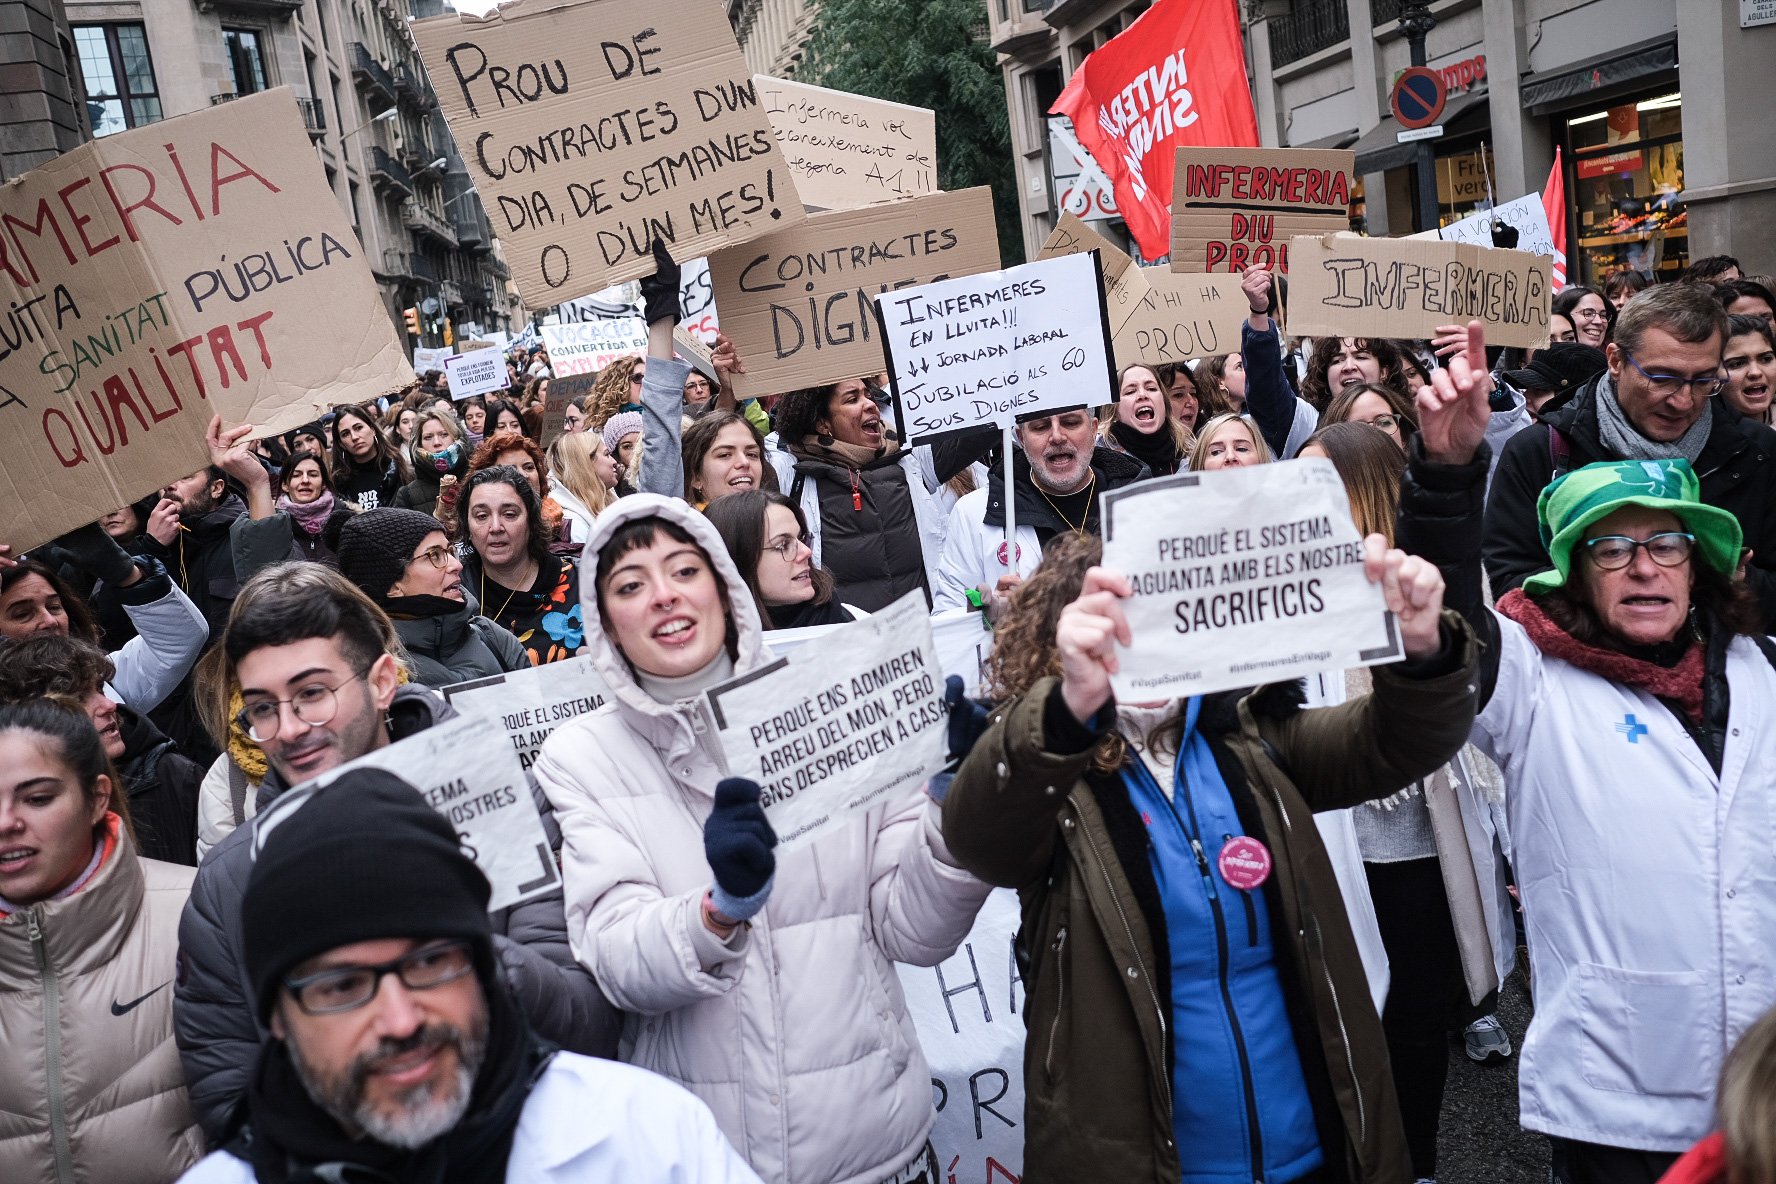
[[312, 516], [1681, 683]]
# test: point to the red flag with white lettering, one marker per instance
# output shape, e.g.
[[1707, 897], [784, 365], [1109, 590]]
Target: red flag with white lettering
[[1554, 202], [1176, 77]]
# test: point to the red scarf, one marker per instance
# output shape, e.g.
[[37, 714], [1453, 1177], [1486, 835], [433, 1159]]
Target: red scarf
[[1681, 683]]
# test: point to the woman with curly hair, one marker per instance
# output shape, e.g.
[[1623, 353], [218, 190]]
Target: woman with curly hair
[[1220, 1026], [618, 389], [1336, 362], [520, 584]]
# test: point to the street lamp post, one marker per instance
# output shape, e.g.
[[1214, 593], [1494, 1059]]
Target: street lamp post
[[1417, 22], [384, 117]]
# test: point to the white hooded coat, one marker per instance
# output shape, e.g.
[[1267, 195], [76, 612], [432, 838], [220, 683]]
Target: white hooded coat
[[795, 1032]]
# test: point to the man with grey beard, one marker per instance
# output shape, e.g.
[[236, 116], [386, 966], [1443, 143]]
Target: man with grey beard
[[396, 1054]]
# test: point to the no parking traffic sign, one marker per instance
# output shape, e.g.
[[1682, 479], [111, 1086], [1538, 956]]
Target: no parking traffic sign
[[1418, 97]]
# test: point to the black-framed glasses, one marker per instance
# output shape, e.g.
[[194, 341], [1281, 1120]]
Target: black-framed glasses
[[346, 988], [438, 557], [314, 705], [1669, 384], [785, 545], [1613, 552]]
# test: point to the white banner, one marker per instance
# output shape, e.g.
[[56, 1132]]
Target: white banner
[[478, 372], [469, 774], [1527, 215], [530, 704], [844, 724], [984, 349], [426, 358], [969, 1012], [592, 345], [1240, 577]]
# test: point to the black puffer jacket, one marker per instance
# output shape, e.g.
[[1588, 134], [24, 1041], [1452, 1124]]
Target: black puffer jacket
[[213, 1011], [163, 786], [458, 646], [1735, 470]]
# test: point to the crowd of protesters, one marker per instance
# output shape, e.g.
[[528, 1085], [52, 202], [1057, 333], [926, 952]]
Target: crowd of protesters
[[214, 966]]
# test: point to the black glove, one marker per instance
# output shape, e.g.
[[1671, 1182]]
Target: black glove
[[1504, 234], [98, 554], [737, 840], [659, 292]]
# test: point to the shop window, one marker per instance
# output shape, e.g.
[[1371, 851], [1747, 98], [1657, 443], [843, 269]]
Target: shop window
[[119, 76], [1627, 175], [246, 60]]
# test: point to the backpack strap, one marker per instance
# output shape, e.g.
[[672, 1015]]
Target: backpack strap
[[795, 487], [1559, 451], [237, 792]]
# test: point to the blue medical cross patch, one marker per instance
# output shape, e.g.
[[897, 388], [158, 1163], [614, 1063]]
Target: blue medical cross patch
[[1631, 728]]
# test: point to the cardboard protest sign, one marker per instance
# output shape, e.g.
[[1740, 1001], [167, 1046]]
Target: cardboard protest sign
[[1527, 216], [701, 358], [589, 346], [969, 1013], [1125, 283], [562, 389], [1242, 576], [1233, 208], [847, 723], [961, 639], [1347, 286], [984, 349], [530, 704], [596, 128], [845, 150], [797, 304], [475, 372], [469, 773], [157, 277], [426, 358], [1182, 316]]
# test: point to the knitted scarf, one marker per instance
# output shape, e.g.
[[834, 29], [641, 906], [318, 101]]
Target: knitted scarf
[[843, 455], [310, 516], [1157, 450], [1680, 684]]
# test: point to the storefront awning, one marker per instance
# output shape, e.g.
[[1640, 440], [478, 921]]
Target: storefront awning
[[1380, 149], [1335, 140], [1603, 76]]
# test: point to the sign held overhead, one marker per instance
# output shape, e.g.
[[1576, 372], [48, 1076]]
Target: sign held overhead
[[1183, 316], [595, 128], [157, 277], [1125, 284], [797, 304], [1233, 208], [984, 349], [1240, 577], [845, 150], [1344, 285]]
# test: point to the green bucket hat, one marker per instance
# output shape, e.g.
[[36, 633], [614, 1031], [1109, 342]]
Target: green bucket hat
[[1575, 500]]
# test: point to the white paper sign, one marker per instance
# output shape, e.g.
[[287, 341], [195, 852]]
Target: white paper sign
[[592, 345], [985, 349], [696, 301], [1527, 215], [963, 643], [848, 722], [478, 372], [969, 1012], [1241, 577], [469, 774], [530, 704], [426, 358]]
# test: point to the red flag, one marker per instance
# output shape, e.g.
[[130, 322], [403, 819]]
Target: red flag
[[1177, 76], [1554, 202]]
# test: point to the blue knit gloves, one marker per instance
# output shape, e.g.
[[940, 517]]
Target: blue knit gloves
[[737, 840], [968, 720]]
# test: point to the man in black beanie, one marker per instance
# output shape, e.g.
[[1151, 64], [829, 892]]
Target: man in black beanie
[[396, 1054]]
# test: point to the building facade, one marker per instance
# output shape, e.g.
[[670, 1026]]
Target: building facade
[[773, 33], [369, 110], [1662, 164], [40, 97]]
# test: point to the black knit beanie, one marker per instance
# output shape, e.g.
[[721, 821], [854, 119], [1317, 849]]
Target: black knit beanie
[[364, 858], [376, 546]]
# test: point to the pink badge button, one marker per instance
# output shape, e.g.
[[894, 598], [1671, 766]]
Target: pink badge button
[[1005, 554], [1245, 862]]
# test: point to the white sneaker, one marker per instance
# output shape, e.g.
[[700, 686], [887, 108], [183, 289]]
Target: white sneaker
[[1487, 1041]]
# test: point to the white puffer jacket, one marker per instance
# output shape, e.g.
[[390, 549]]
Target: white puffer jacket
[[796, 1034]]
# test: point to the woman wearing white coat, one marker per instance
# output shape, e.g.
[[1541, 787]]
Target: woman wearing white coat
[[1629, 698], [764, 985]]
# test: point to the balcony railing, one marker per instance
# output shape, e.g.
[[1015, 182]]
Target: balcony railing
[[451, 293], [314, 117], [422, 268], [386, 172], [421, 219], [370, 74], [1308, 27], [226, 96], [395, 263], [411, 88], [1383, 11]]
